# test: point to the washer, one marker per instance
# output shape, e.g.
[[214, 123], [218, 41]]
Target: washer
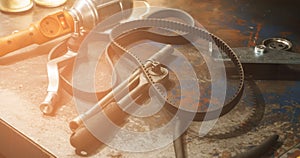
[[277, 43]]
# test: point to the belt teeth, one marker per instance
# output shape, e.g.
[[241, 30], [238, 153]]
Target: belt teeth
[[229, 125], [190, 30]]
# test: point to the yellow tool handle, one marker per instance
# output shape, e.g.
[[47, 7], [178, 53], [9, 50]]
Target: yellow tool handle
[[49, 28]]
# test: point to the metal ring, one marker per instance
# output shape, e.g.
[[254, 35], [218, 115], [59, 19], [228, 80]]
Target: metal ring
[[277, 43]]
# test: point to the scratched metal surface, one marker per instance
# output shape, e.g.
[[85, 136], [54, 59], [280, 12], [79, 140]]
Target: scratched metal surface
[[244, 22], [240, 23], [282, 110]]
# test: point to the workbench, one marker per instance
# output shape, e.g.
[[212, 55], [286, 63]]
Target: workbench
[[23, 86]]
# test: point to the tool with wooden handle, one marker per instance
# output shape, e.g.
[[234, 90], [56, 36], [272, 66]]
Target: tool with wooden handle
[[83, 14]]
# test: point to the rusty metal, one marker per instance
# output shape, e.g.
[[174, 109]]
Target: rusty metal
[[270, 56], [227, 126], [281, 92], [191, 32], [272, 65]]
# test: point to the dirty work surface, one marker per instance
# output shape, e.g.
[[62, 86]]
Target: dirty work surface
[[23, 86]]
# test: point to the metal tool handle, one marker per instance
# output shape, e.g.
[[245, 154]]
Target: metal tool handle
[[49, 28], [162, 54]]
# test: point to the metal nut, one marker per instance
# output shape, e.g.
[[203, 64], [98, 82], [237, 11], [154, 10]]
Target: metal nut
[[259, 50]]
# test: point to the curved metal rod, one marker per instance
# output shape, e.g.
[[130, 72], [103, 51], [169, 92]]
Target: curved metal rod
[[47, 106]]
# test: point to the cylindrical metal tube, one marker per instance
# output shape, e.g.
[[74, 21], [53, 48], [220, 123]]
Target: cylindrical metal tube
[[91, 12]]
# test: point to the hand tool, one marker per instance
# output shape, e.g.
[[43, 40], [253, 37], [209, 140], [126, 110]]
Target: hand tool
[[84, 14], [130, 32], [116, 111], [64, 54]]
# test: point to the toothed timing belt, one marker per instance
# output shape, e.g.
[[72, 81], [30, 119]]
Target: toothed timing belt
[[133, 31]]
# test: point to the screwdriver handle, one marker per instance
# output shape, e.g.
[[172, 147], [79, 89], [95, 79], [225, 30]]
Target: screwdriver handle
[[49, 28]]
